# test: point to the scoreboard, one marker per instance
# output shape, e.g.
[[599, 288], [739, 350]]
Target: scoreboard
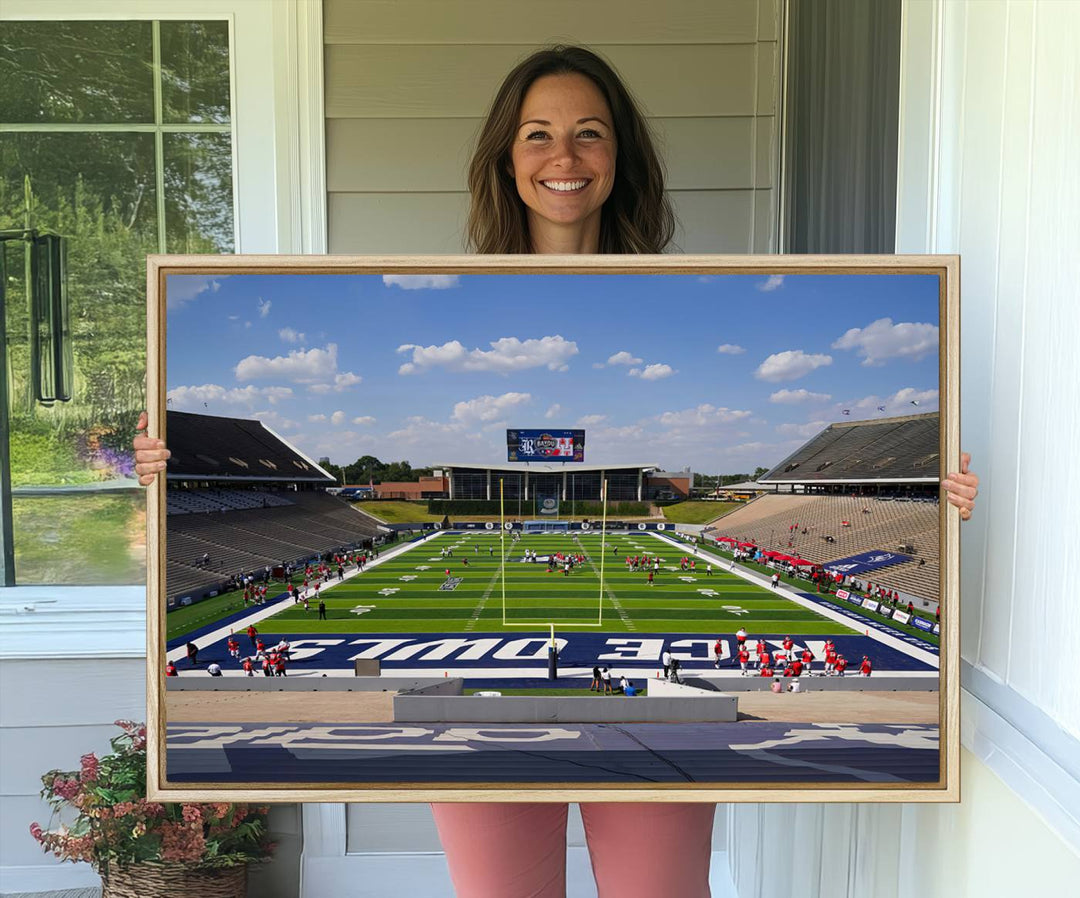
[[545, 445]]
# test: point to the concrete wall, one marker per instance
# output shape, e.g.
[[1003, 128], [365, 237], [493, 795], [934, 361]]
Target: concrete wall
[[850, 683], [711, 707]]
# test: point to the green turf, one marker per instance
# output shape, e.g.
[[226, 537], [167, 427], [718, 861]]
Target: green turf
[[697, 512], [398, 512], [535, 597]]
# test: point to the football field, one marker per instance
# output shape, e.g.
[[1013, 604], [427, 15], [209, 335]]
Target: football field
[[492, 586]]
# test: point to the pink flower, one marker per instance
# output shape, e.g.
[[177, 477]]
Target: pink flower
[[90, 767], [65, 788], [37, 832], [181, 842], [150, 808], [191, 813]]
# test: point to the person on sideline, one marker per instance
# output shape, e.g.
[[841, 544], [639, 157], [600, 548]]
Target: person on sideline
[[565, 164]]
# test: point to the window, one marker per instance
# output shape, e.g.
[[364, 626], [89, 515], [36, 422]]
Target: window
[[116, 135]]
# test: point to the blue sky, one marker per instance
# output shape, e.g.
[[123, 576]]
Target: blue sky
[[717, 373]]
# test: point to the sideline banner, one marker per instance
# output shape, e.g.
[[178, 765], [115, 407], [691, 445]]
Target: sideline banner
[[865, 561]]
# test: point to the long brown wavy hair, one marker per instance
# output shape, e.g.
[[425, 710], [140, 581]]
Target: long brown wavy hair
[[637, 216]]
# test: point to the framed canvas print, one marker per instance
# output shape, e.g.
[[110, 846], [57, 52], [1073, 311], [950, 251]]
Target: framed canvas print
[[554, 528]]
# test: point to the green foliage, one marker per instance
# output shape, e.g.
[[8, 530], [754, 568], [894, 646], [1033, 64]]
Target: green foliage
[[369, 469], [84, 539]]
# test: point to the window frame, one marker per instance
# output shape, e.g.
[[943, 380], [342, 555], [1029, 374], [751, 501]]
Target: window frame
[[277, 140]]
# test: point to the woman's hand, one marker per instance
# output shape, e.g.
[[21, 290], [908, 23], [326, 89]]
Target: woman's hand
[[150, 454], [962, 488]]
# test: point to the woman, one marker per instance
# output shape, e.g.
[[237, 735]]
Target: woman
[[565, 164]]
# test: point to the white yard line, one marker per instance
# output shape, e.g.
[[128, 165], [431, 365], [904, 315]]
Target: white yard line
[[262, 612]]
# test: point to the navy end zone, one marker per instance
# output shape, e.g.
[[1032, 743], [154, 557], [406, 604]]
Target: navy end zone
[[359, 754], [494, 656]]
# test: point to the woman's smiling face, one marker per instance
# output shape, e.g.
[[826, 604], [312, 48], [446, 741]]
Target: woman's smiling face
[[563, 155]]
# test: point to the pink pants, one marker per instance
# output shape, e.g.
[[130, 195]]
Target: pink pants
[[519, 850]]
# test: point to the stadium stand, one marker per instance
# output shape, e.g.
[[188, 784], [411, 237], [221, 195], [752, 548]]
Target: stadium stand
[[889, 525], [891, 451], [240, 499], [856, 487]]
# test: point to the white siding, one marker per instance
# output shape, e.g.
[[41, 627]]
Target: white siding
[[408, 82], [990, 137], [1012, 211]]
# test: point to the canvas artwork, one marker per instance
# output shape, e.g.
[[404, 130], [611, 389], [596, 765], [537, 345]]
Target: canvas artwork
[[512, 528]]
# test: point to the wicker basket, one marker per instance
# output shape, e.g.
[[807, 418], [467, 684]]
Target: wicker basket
[[167, 880]]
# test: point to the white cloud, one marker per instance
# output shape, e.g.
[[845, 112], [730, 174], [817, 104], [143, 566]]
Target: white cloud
[[591, 420], [299, 366], [273, 420], [364, 420], [703, 415], [883, 340], [264, 307], [772, 282], [730, 349], [790, 365], [652, 372], [794, 397], [183, 288], [553, 411], [624, 358], [341, 383], [421, 281], [902, 402], [506, 354], [337, 418], [214, 397], [234, 317], [317, 419], [290, 335], [484, 409], [803, 431]]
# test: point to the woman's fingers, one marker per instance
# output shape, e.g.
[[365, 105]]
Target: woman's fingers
[[962, 487], [150, 453]]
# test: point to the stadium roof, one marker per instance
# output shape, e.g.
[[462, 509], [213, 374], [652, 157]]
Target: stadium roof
[[206, 447], [745, 486], [897, 450], [548, 467]]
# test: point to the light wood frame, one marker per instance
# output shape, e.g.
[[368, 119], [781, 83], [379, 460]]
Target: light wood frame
[[946, 267]]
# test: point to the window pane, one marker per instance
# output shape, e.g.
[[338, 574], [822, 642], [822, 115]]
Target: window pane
[[98, 191], [82, 539], [198, 193], [195, 72], [55, 72]]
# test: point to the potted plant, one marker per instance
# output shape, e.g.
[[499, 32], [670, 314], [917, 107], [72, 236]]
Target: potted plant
[[146, 848]]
